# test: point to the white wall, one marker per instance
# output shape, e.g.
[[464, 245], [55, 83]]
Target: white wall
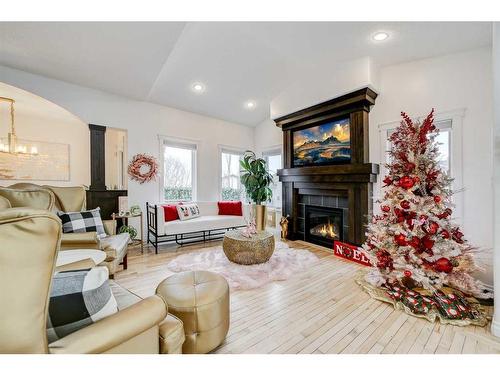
[[267, 136], [37, 119], [144, 122], [495, 324], [324, 82]]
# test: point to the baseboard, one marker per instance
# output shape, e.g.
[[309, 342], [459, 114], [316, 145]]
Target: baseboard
[[495, 327]]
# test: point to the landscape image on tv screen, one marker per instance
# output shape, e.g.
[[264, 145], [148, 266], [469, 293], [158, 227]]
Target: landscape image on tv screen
[[328, 143]]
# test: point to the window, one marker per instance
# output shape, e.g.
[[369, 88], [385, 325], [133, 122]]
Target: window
[[231, 189], [443, 140], [273, 160], [179, 171]]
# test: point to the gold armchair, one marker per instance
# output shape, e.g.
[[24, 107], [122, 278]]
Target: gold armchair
[[30, 241], [70, 199]]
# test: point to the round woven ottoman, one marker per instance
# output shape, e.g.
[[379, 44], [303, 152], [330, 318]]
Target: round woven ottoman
[[243, 250], [201, 300]]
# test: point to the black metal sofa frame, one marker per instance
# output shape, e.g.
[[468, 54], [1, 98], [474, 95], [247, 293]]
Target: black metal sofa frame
[[180, 238]]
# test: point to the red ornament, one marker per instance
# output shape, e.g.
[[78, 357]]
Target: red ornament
[[406, 182], [405, 204], [400, 239], [387, 181], [445, 233], [415, 242], [443, 265], [427, 243], [386, 208], [407, 273], [437, 199], [423, 217], [431, 228]]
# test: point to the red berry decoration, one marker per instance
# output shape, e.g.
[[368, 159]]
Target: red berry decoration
[[437, 199], [407, 273], [406, 182], [405, 204], [443, 265], [409, 167], [400, 239], [386, 208]]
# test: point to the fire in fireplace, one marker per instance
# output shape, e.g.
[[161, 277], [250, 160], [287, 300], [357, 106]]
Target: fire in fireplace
[[323, 225]]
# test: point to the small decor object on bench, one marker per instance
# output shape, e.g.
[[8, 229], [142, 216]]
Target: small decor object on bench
[[143, 168], [188, 211]]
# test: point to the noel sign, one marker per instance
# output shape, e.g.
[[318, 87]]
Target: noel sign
[[350, 252]]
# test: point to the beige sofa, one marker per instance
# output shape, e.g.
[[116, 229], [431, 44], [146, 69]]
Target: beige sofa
[[70, 199], [30, 243]]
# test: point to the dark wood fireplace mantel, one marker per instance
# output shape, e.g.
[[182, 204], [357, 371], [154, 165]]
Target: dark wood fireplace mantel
[[353, 180]]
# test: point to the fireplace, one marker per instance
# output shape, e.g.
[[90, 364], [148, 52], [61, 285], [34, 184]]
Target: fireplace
[[339, 194], [323, 225]]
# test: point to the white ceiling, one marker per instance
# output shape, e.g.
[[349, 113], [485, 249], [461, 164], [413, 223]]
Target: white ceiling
[[237, 62]]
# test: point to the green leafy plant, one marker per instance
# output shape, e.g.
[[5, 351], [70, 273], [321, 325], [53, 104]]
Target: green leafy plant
[[256, 178], [130, 230]]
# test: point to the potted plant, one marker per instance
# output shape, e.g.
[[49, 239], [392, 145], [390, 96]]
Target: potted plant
[[256, 179]]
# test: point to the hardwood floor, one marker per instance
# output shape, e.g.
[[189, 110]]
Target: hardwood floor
[[321, 310]]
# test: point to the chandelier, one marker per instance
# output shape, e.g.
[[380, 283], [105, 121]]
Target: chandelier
[[13, 146]]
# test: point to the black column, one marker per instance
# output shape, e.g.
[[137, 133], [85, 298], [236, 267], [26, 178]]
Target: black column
[[97, 157]]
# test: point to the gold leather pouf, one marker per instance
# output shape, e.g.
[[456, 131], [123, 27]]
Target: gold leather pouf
[[201, 300]]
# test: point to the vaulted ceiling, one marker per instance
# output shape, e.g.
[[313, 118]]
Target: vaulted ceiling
[[235, 61]]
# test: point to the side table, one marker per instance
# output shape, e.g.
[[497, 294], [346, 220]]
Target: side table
[[125, 219]]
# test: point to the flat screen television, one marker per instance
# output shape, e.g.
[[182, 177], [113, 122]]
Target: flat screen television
[[328, 143]]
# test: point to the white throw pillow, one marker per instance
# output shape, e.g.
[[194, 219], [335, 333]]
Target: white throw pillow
[[188, 211]]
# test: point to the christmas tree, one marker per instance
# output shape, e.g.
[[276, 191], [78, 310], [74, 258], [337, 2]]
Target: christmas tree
[[413, 242]]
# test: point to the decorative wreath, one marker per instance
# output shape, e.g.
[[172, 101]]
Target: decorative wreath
[[143, 168]]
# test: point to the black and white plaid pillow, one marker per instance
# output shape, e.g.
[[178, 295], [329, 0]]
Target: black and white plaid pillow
[[78, 299], [81, 222]]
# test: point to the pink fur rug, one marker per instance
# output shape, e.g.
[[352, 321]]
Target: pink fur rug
[[284, 263]]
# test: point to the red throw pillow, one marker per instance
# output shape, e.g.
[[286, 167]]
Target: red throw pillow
[[230, 208], [170, 211]]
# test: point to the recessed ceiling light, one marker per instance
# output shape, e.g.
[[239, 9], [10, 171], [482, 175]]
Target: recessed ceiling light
[[198, 87], [380, 36], [250, 104]]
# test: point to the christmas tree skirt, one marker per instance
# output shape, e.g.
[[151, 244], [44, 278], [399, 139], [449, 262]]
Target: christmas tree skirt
[[448, 305]]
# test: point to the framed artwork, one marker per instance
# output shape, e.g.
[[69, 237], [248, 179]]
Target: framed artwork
[[329, 143], [51, 163]]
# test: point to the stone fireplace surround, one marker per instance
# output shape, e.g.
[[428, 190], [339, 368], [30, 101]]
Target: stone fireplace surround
[[345, 186]]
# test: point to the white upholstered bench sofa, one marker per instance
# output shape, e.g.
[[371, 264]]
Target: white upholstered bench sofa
[[208, 226]]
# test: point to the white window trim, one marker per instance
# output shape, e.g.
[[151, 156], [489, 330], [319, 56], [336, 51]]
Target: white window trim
[[273, 151], [456, 159], [161, 140], [225, 148]]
